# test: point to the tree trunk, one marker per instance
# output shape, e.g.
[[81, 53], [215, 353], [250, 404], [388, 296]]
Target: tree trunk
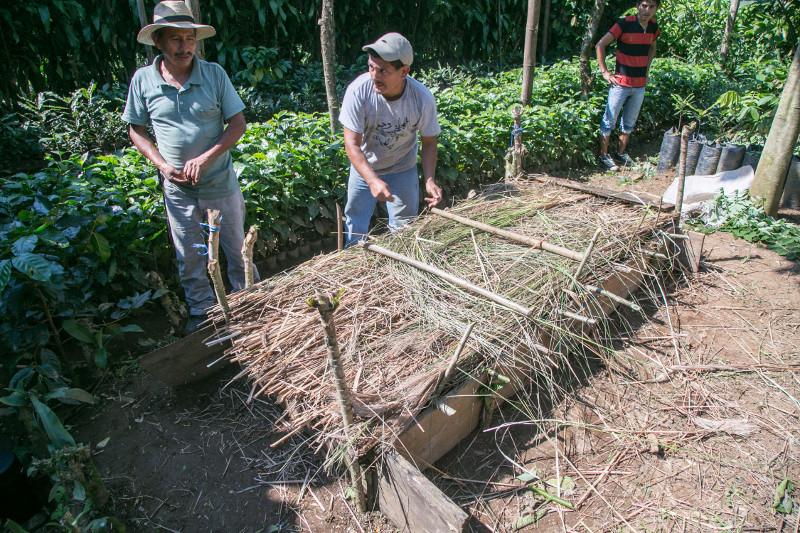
[[328, 43], [545, 31], [529, 58], [143, 23], [724, 49], [777, 155], [586, 46], [194, 6]]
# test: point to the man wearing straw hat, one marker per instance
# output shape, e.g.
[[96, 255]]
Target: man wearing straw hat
[[382, 113], [188, 102]]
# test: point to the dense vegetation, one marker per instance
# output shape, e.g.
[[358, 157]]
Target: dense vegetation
[[83, 243]]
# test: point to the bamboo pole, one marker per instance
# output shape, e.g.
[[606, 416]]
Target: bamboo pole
[[587, 253], [453, 361], [529, 55], [326, 307], [142, 23], [538, 244], [455, 280], [213, 262], [247, 255], [327, 39]]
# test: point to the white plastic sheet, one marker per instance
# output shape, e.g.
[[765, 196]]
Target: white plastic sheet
[[699, 189]]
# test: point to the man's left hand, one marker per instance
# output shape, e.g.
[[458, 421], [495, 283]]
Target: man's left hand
[[434, 192], [194, 168]]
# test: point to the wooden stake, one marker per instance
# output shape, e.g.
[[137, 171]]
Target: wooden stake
[[453, 361], [538, 244], [326, 307], [681, 174], [213, 261], [247, 255], [455, 280], [339, 228], [587, 253]]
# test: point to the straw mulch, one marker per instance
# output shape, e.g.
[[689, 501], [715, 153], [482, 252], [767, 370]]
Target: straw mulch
[[398, 327]]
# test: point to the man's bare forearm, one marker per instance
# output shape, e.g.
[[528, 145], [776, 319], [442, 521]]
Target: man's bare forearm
[[430, 154], [145, 144]]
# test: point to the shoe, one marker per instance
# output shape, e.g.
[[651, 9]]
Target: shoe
[[194, 323], [625, 159], [608, 163]]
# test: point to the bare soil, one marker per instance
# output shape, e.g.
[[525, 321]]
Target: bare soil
[[690, 426]]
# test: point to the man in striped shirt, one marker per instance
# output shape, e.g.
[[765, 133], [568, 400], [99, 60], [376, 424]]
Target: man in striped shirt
[[636, 46]]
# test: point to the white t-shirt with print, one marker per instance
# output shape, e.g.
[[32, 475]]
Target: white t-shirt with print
[[389, 128]]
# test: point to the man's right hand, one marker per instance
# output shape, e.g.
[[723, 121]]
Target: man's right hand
[[380, 190], [170, 173], [610, 78]]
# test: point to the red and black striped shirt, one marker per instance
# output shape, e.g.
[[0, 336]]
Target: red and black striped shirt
[[633, 49]]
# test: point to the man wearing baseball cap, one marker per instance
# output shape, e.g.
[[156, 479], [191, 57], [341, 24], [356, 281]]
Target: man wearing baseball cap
[[383, 111], [188, 103]]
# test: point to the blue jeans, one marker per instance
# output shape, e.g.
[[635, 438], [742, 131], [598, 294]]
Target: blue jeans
[[627, 99], [185, 215], [361, 204]]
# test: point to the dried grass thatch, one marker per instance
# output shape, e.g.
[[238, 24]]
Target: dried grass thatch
[[398, 327]]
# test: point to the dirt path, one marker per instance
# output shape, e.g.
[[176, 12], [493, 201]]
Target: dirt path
[[691, 427]]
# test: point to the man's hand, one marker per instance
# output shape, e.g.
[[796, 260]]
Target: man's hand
[[176, 176], [194, 168], [380, 190], [610, 78], [434, 192]]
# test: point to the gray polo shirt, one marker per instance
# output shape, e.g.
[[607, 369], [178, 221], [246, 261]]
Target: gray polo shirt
[[187, 122], [389, 128]]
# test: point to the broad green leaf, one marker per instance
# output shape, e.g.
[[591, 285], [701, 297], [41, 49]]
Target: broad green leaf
[[527, 477], [72, 396], [36, 267], [19, 380], [130, 328], [24, 245], [78, 331], [5, 274], [101, 246], [58, 434], [78, 491], [15, 399]]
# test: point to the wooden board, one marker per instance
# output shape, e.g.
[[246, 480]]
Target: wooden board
[[186, 360], [412, 502]]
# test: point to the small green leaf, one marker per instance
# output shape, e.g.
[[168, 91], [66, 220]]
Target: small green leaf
[[36, 267], [101, 246], [78, 492], [24, 245], [78, 331], [15, 399], [70, 395], [5, 274], [782, 502], [527, 477], [101, 357]]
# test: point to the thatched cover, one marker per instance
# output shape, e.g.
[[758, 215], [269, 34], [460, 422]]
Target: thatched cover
[[398, 327]]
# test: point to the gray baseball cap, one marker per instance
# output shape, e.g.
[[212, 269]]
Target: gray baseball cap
[[392, 47]]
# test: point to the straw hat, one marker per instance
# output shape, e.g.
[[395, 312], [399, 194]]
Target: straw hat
[[173, 14]]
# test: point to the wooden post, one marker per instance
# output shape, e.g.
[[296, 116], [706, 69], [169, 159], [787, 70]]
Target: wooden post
[[142, 24], [213, 261], [529, 57], [681, 175], [247, 255], [339, 228], [194, 6], [730, 22], [586, 47], [326, 307], [327, 37]]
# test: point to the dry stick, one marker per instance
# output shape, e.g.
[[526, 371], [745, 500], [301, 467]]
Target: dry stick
[[458, 282], [538, 244], [599, 479], [453, 361], [326, 307], [247, 255], [687, 128], [213, 262], [339, 228], [586, 254]]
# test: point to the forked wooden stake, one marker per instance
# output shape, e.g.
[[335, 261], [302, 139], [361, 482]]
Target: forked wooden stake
[[326, 306], [247, 255], [339, 228], [213, 261]]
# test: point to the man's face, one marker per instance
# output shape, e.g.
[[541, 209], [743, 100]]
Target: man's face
[[646, 9], [388, 80], [177, 45]]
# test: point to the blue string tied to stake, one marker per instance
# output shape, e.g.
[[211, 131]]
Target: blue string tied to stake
[[515, 132], [202, 249]]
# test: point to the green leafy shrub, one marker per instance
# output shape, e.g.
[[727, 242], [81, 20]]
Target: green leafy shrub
[[19, 145]]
